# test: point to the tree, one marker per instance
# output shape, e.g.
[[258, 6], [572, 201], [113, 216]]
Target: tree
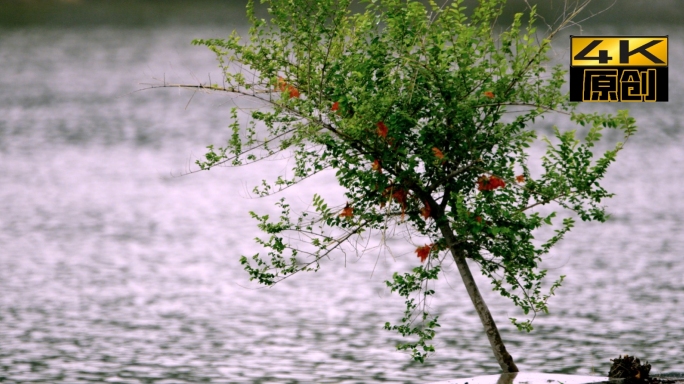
[[410, 104]]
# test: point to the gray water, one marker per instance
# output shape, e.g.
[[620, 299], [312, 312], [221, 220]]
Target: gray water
[[113, 269]]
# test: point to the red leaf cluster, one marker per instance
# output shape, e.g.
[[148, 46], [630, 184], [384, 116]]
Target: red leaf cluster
[[335, 106], [490, 183], [347, 211], [377, 166], [425, 211], [438, 153], [382, 129], [520, 178], [294, 92], [489, 94], [423, 252], [284, 86], [399, 195]]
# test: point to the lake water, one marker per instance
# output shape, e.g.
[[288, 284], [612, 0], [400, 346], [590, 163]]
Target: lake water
[[114, 270]]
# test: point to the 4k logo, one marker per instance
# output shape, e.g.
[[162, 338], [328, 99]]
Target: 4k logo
[[612, 68]]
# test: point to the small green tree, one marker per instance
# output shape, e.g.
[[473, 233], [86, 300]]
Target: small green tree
[[409, 103]]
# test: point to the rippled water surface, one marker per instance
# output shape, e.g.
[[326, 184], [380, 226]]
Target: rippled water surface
[[113, 270]]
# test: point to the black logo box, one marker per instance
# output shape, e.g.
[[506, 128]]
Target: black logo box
[[577, 80]]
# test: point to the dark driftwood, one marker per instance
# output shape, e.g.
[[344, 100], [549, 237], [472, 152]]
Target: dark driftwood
[[629, 370]]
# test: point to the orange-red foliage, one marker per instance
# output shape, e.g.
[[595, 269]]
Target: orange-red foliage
[[399, 195], [491, 183], [294, 92], [382, 129], [423, 252], [335, 106], [425, 211], [489, 94], [520, 178], [284, 86], [438, 153], [377, 166], [347, 211]]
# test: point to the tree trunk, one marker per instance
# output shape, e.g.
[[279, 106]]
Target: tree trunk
[[502, 356]]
